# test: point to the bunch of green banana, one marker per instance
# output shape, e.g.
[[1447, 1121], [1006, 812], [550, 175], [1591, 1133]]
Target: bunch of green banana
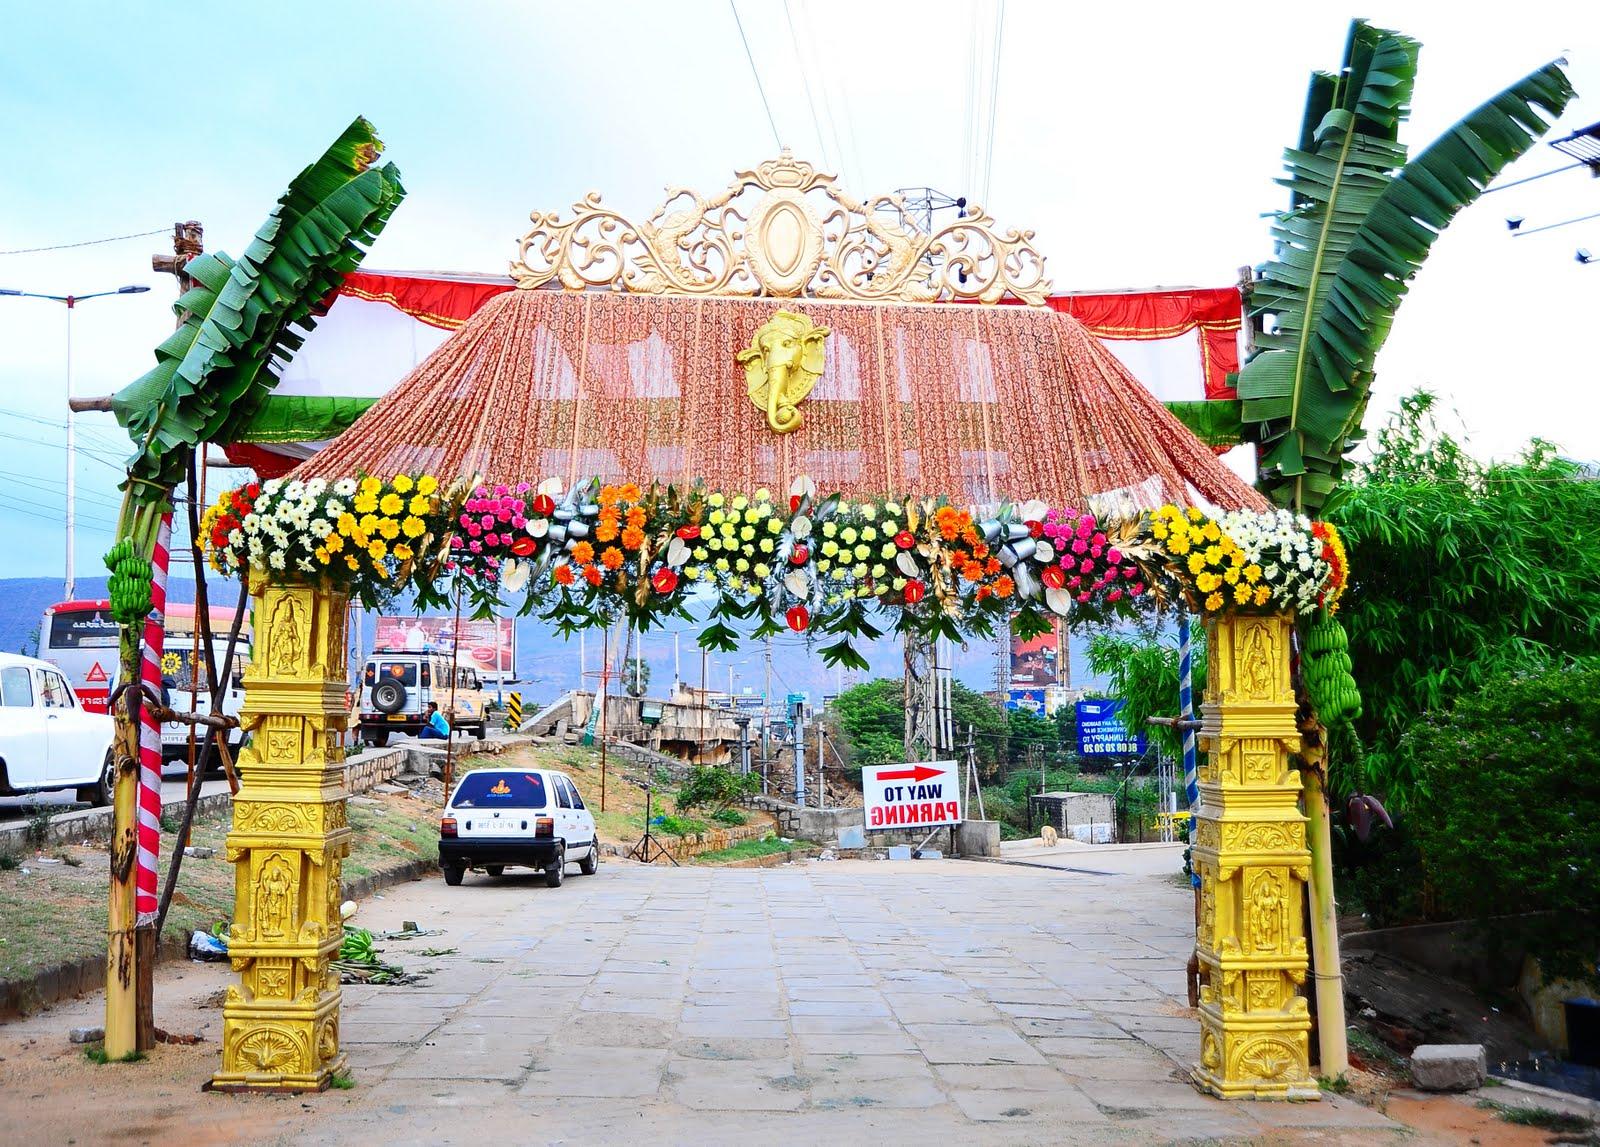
[[1325, 669], [129, 587], [357, 947]]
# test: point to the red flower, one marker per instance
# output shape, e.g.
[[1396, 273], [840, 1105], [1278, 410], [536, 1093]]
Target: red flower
[[664, 580], [524, 546], [914, 591], [905, 540], [794, 502], [563, 574], [798, 618], [544, 505], [1035, 529], [592, 575], [688, 533], [1054, 577], [799, 556]]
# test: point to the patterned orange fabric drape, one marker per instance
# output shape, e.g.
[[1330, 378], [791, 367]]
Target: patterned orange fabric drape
[[978, 403]]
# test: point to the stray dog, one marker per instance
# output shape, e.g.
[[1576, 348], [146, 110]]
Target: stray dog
[[1049, 836]]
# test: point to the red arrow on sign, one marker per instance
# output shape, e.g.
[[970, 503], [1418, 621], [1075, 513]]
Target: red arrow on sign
[[918, 773]]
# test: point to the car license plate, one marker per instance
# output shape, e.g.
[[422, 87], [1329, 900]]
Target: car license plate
[[397, 716]]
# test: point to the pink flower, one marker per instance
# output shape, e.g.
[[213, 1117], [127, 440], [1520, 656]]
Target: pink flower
[[1096, 551], [519, 522], [1099, 539], [1137, 589], [1083, 598], [494, 563], [492, 539], [450, 565], [487, 521], [522, 487], [1074, 582], [455, 541], [1114, 556], [1085, 565], [480, 492], [475, 547], [499, 491], [1129, 572], [474, 529], [1080, 546], [1114, 595], [1085, 529], [518, 506]]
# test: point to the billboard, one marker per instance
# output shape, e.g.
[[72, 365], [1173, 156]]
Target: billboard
[[1033, 700], [488, 645], [1036, 662], [1101, 731]]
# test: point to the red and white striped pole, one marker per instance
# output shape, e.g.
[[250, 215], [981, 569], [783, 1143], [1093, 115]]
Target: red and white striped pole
[[155, 627]]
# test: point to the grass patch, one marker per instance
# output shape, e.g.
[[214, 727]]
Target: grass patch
[[1540, 1117], [730, 816], [674, 825], [748, 849], [96, 1053], [342, 1081], [1338, 1086]]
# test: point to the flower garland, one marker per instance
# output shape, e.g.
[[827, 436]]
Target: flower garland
[[362, 535], [591, 553]]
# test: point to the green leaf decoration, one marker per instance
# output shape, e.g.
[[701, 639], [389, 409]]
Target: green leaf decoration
[[213, 373], [1360, 223], [1215, 422], [301, 418]]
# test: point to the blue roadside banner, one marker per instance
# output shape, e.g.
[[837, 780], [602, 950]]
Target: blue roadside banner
[[1102, 733]]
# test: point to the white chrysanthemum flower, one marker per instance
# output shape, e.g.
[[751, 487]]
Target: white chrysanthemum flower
[[345, 487], [235, 537], [295, 489], [316, 486], [322, 527], [276, 559], [271, 486]]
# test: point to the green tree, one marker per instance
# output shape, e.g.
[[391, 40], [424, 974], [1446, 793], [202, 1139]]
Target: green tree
[[1142, 670], [869, 719], [636, 676], [1025, 729], [1511, 828], [1460, 573]]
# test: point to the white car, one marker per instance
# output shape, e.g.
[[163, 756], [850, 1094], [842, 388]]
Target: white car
[[533, 818], [47, 739]]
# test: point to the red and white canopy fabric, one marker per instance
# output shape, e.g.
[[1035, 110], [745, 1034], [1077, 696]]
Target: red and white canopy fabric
[[1181, 344]]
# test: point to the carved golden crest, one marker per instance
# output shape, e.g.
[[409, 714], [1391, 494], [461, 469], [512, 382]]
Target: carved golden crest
[[781, 365], [270, 1048], [782, 230], [288, 637]]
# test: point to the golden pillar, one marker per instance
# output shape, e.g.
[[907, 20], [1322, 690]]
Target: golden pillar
[[280, 1023], [1250, 852]]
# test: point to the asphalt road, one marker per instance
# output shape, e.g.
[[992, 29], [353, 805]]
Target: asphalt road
[[172, 788]]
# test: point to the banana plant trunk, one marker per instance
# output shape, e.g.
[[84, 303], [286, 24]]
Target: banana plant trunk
[[1333, 1050]]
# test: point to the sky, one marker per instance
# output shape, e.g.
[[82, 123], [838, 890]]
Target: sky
[[1140, 142]]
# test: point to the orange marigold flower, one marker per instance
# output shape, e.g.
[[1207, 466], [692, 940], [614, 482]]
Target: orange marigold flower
[[972, 571], [992, 566], [583, 553], [563, 574], [636, 516], [592, 575], [632, 538], [958, 558], [979, 550], [629, 492], [983, 592], [606, 530], [1004, 587], [611, 557]]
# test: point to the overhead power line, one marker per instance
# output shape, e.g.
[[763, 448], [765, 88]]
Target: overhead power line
[[760, 87], [87, 242]]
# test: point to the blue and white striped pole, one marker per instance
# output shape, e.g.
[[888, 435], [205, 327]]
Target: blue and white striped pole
[[1191, 776]]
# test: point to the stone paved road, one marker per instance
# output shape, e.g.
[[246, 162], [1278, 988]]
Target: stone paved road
[[844, 1002]]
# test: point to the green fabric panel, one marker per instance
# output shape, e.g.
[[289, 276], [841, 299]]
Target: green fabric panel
[[302, 418], [1215, 422]]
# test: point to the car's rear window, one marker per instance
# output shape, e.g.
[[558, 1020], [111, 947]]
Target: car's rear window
[[404, 672], [500, 790]]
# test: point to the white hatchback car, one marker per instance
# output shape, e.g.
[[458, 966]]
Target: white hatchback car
[[533, 818], [47, 739]]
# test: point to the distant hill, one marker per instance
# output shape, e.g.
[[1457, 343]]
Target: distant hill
[[548, 665]]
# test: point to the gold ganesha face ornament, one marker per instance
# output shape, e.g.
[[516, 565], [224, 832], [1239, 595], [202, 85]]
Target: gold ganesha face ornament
[[781, 365]]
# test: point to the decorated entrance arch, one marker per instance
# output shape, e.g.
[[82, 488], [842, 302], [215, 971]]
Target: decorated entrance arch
[[794, 410]]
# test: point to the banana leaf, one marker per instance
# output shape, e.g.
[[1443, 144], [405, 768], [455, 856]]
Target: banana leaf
[[1360, 223], [242, 319], [1214, 421]]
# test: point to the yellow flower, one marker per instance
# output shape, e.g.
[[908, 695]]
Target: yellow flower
[[1214, 602], [1262, 594], [1194, 514], [365, 503], [1211, 532], [369, 523], [377, 549], [1241, 594], [392, 504], [427, 484], [1207, 582], [1231, 577], [419, 505], [370, 485], [359, 537], [322, 555], [402, 551], [1178, 544], [333, 543], [389, 528], [413, 527], [1213, 555], [347, 524], [1197, 562], [1158, 530], [402, 483], [1252, 574], [349, 560]]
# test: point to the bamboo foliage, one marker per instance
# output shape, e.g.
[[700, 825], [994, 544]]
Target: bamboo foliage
[[1361, 221]]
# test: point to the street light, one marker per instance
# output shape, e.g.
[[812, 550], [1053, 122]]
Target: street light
[[72, 302]]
